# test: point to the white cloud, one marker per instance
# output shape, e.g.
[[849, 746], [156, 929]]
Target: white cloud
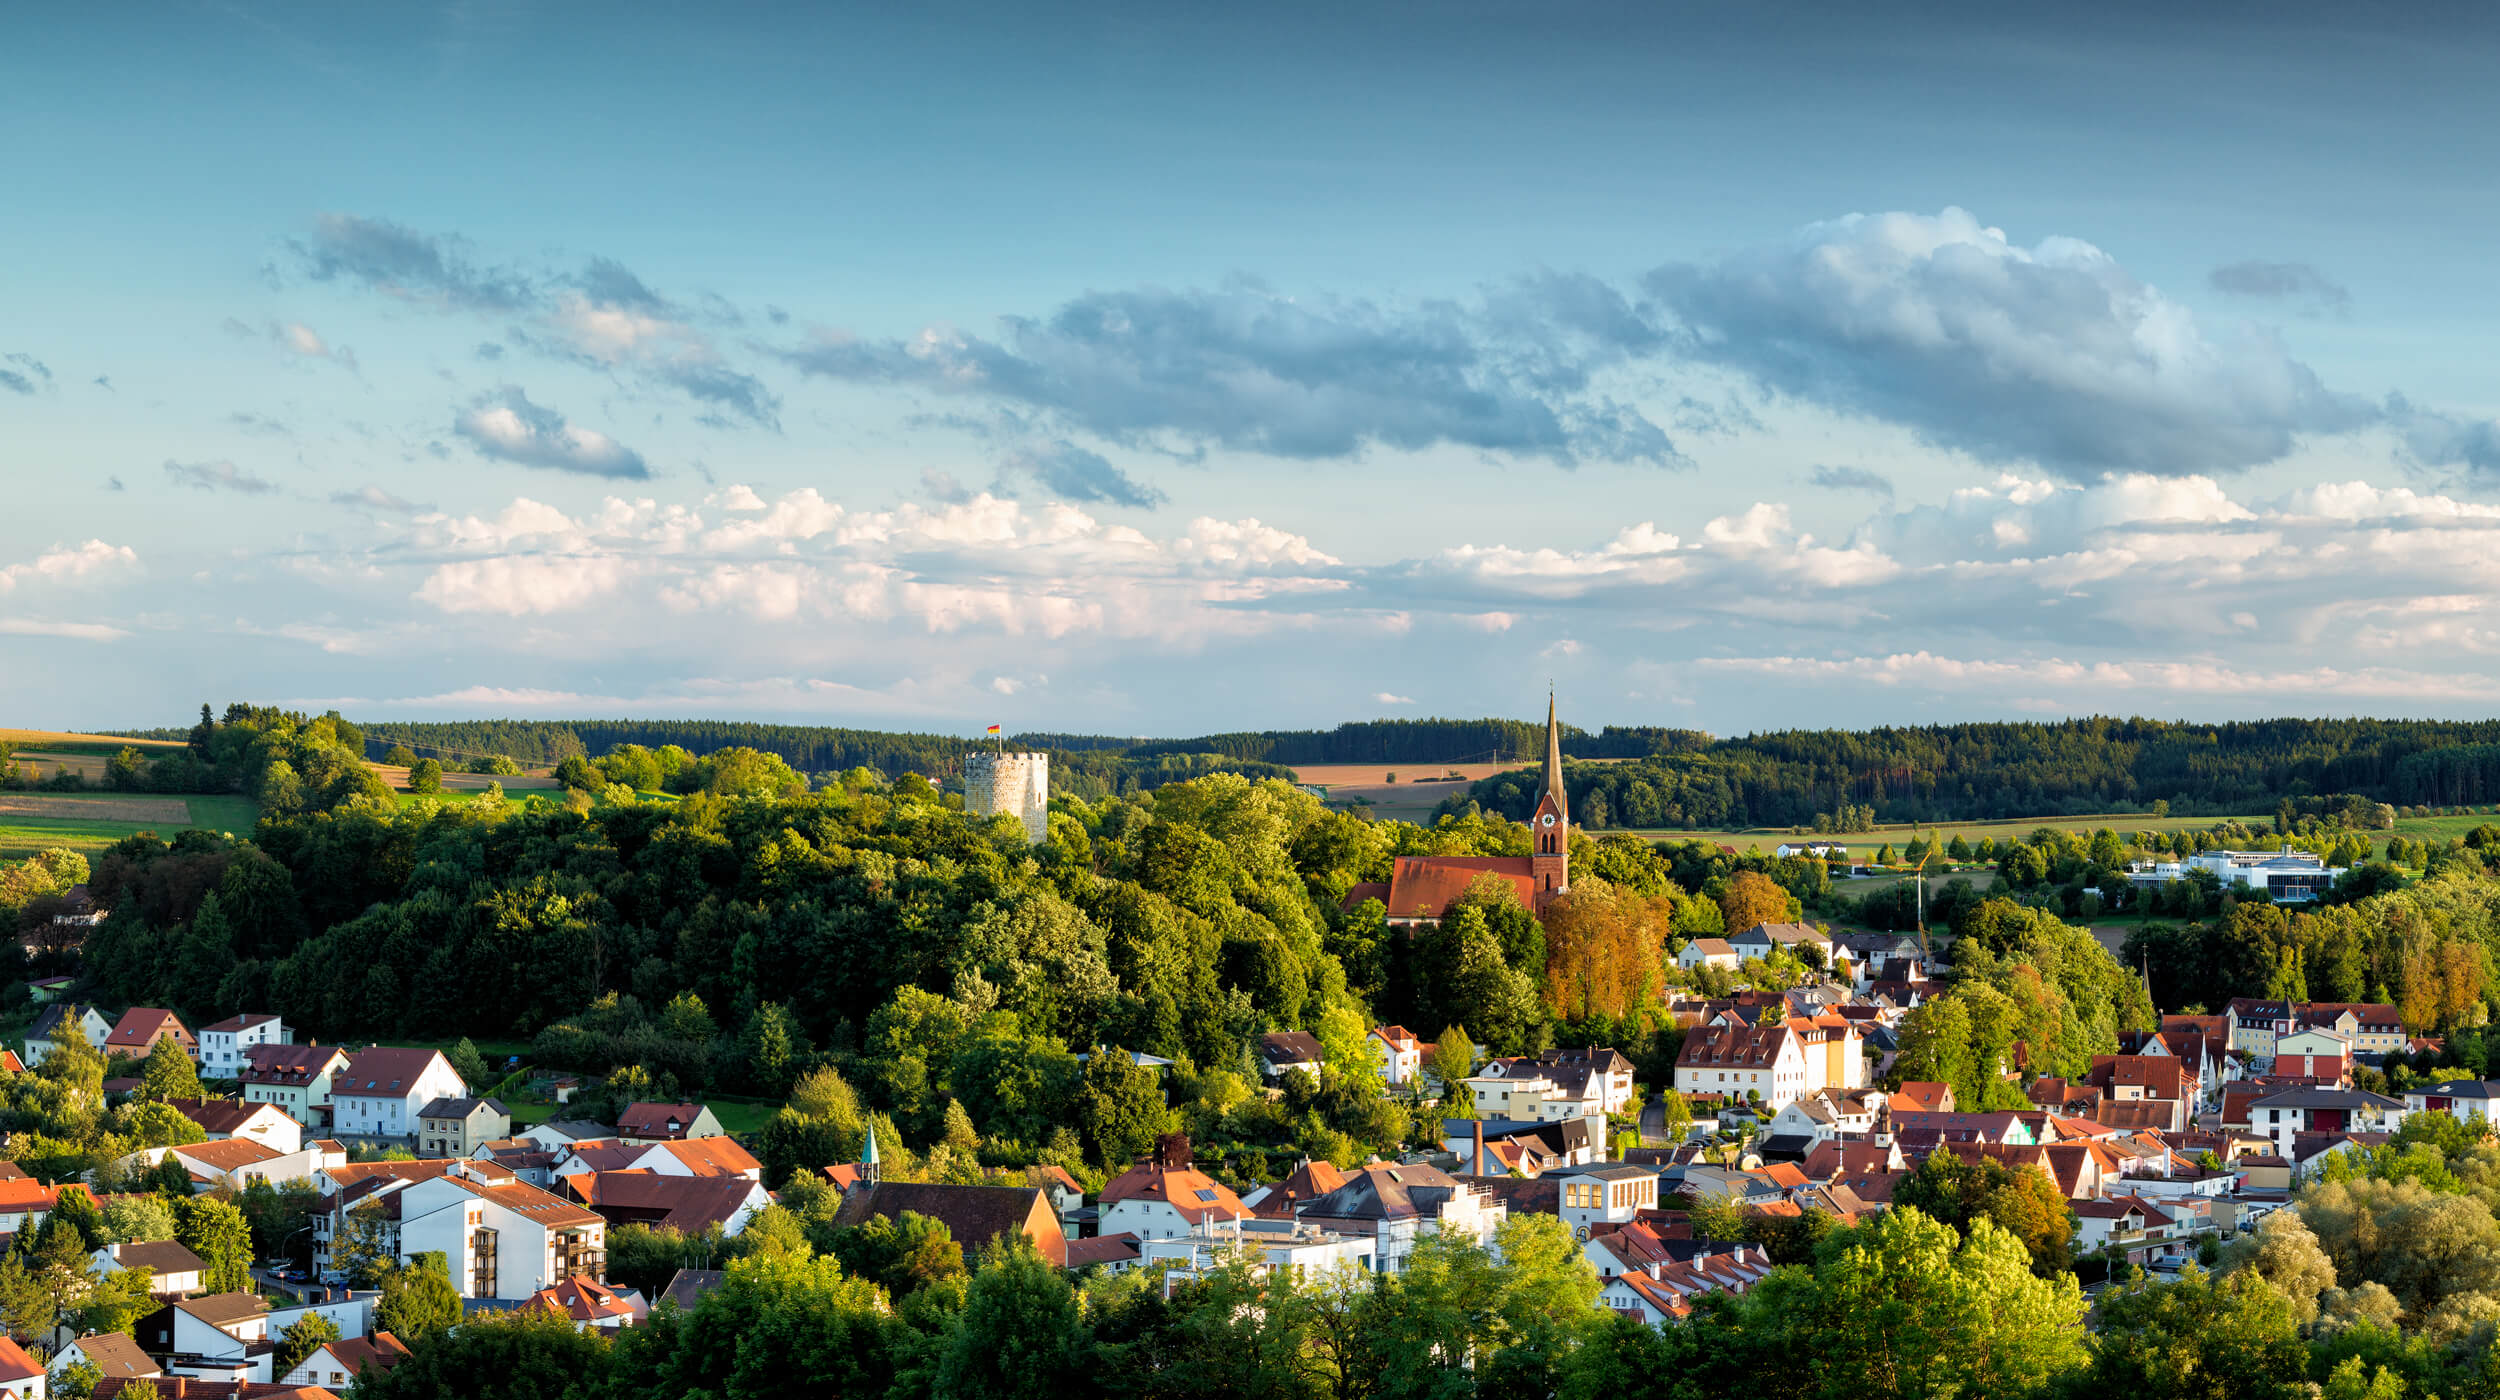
[[62, 563], [77, 631], [1385, 698], [518, 586]]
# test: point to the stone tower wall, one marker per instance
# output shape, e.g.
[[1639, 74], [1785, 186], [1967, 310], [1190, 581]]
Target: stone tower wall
[[1010, 784]]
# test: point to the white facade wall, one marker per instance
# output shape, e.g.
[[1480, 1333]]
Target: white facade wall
[[1013, 785], [394, 1114], [221, 1052]]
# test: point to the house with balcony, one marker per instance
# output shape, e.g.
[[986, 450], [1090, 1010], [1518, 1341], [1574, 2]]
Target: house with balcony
[[222, 1044], [297, 1078], [503, 1238]]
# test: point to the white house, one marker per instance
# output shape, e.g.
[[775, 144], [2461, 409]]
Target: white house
[[1284, 1248], [1820, 850], [2295, 1111], [1707, 952], [175, 1268], [502, 1238], [1606, 1195], [297, 1078], [21, 1376], [1761, 1064], [1162, 1196], [334, 1365], [213, 1337], [264, 1123], [59, 1019], [1401, 1054], [380, 1091], [2285, 875], [1397, 1205], [222, 1045], [1825, 1114], [113, 1354]]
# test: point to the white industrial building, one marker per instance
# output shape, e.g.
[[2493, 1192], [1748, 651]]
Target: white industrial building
[[2290, 876]]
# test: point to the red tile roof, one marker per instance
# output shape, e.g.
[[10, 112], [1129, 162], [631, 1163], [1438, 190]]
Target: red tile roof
[[141, 1025], [711, 1156], [1421, 887], [657, 1120], [581, 1299], [383, 1071], [15, 1364]]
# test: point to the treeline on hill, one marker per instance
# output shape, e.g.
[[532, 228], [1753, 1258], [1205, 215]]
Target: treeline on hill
[[1970, 772]]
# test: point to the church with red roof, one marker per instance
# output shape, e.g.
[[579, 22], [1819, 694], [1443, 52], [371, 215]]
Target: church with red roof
[[1421, 888]]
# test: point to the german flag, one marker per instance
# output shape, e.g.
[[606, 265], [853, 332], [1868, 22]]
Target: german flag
[[993, 729]]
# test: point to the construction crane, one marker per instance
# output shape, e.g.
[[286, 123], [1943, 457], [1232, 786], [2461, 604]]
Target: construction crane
[[1919, 878]]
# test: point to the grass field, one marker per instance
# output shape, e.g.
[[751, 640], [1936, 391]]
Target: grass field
[[62, 742], [92, 821]]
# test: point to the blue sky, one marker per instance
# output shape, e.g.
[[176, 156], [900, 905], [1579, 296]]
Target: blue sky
[[1164, 370]]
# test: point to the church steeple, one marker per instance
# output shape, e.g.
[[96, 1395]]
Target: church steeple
[[1549, 827], [1553, 785]]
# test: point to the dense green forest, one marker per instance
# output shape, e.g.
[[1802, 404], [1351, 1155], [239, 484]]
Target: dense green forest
[[1967, 772], [1673, 778]]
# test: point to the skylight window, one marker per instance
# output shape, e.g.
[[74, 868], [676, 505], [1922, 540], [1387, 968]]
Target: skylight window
[[1205, 1194]]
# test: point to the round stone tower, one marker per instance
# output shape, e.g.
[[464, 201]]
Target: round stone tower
[[1010, 784]]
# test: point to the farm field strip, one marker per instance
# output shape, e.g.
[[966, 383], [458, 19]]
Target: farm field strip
[[174, 811]]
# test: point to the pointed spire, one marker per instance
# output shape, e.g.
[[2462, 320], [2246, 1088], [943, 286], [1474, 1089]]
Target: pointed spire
[[871, 1158], [1553, 760]]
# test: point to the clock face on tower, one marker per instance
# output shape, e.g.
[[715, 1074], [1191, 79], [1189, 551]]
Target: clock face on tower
[[1548, 819]]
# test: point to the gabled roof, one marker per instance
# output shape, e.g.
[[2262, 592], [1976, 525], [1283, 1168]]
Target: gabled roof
[[356, 1353], [1308, 1181], [289, 1064], [1712, 947], [1197, 1196], [1384, 1193], [1422, 887], [708, 1156], [527, 1201], [237, 1024], [221, 1115], [1102, 1249], [686, 1287], [1723, 1047], [656, 1120], [384, 1071], [1290, 1047], [15, 1364], [462, 1108], [580, 1298], [1922, 1096], [158, 1256], [219, 1310], [973, 1215], [690, 1204], [2326, 1098], [117, 1354], [227, 1154], [140, 1026]]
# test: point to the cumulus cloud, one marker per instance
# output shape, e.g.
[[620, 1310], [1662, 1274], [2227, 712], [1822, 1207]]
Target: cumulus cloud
[[1385, 698], [1249, 369], [2051, 353], [506, 426], [218, 476], [69, 562], [2273, 281]]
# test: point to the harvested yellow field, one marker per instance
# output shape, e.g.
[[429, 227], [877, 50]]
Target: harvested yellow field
[[38, 737]]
